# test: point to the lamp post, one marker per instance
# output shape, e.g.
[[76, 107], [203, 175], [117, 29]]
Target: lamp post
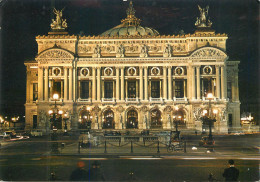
[[66, 117], [176, 121], [207, 117], [1, 121]]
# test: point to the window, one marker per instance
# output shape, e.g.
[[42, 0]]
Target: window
[[108, 89], [84, 89], [229, 90], [131, 89], [230, 120], [155, 89], [35, 91], [34, 121], [57, 88], [179, 89], [207, 87]]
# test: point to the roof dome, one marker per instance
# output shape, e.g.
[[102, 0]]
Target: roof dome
[[130, 26]]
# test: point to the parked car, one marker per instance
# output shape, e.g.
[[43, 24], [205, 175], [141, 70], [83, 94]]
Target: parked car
[[10, 134], [36, 133], [206, 141]]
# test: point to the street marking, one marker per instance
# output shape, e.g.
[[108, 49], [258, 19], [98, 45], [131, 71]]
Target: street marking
[[140, 158], [250, 158], [93, 158], [199, 158]]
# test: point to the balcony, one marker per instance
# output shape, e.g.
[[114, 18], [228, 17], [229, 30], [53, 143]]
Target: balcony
[[132, 100], [156, 100], [84, 100], [180, 100], [108, 100]]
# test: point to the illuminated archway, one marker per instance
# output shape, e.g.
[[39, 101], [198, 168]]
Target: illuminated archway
[[132, 119], [85, 120], [156, 118], [108, 119]]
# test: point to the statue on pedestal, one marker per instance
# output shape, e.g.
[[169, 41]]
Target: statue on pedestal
[[203, 21], [59, 23]]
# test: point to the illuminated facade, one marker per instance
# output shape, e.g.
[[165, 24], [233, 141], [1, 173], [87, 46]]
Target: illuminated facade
[[131, 77]]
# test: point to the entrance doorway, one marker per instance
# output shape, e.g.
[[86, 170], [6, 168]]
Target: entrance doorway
[[156, 119], [108, 120], [85, 120], [132, 120]]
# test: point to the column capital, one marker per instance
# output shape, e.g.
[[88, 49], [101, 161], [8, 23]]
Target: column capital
[[169, 67], [40, 67], [45, 67]]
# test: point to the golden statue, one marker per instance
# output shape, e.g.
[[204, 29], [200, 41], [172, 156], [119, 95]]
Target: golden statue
[[59, 23], [203, 21]]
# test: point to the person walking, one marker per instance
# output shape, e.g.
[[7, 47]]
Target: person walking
[[231, 173], [95, 173], [79, 174]]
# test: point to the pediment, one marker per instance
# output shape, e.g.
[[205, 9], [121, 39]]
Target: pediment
[[207, 52], [55, 53]]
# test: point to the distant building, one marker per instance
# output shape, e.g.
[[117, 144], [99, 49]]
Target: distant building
[[131, 77]]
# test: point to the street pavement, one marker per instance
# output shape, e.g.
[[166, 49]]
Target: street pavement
[[32, 160]]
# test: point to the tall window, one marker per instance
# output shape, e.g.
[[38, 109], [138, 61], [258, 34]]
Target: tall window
[[207, 87], [84, 89], [179, 89], [131, 89], [57, 87], [229, 90], [155, 89], [108, 89], [35, 91]]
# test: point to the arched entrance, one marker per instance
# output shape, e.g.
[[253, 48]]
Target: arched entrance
[[108, 119], [179, 116], [85, 120], [156, 118], [132, 120]]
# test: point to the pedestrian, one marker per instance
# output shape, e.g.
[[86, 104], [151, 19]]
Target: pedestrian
[[79, 174], [231, 173], [95, 173]]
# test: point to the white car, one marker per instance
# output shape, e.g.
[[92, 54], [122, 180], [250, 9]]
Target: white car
[[36, 133]]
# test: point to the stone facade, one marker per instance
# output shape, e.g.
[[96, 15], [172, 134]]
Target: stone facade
[[132, 81]]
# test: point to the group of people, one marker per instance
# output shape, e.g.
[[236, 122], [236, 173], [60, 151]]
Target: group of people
[[95, 173]]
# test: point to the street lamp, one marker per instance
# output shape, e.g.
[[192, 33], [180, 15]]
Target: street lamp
[[176, 121], [207, 117]]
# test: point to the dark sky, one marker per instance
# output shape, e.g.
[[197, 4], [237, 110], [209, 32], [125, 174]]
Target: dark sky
[[22, 20]]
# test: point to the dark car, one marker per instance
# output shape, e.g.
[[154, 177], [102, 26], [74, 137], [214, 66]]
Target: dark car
[[206, 141], [112, 133]]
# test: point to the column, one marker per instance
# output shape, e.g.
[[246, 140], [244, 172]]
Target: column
[[122, 84], [141, 83], [70, 84], [170, 83], [65, 84], [217, 82], [40, 83], [198, 82], [223, 85], [46, 85], [146, 83], [193, 82], [93, 83], [164, 83], [75, 81], [117, 84], [98, 84]]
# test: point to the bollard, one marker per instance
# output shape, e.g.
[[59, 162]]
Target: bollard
[[105, 147], [185, 147], [158, 147], [132, 147], [79, 148]]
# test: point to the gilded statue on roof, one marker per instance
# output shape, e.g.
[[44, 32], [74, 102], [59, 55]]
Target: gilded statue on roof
[[203, 21], [58, 23]]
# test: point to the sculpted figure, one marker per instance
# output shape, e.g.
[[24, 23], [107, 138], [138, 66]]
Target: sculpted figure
[[202, 21], [59, 23]]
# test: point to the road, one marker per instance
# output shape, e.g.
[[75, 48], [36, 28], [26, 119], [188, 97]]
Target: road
[[30, 160]]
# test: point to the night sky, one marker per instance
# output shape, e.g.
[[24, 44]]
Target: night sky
[[22, 20]]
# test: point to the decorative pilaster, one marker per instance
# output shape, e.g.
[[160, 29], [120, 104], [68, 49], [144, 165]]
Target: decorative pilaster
[[223, 83], [65, 83], [164, 83], [170, 83], [117, 84], [141, 83], [93, 83], [217, 82], [146, 83], [198, 82], [40, 83], [122, 84], [70, 84], [46, 81], [193, 94], [98, 83]]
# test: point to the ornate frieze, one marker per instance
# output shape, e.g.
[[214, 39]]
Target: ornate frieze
[[144, 51], [208, 52], [120, 51], [55, 53]]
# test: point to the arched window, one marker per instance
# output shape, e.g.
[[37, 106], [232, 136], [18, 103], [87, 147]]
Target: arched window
[[108, 120], [132, 119], [85, 120]]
